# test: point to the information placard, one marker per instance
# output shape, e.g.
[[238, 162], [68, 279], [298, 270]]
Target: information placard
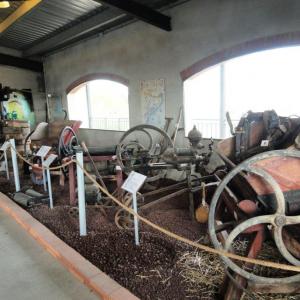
[[134, 182], [51, 158], [264, 143], [44, 150]]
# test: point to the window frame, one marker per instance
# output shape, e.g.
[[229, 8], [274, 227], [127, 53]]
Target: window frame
[[84, 81]]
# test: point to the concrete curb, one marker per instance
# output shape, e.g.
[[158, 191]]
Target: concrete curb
[[102, 285]]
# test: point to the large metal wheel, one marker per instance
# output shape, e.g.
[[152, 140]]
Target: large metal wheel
[[134, 153], [273, 222]]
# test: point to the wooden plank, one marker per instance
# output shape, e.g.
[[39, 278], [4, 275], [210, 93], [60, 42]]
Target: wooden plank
[[18, 13]]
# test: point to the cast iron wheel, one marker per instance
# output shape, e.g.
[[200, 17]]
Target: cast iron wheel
[[141, 153], [275, 221]]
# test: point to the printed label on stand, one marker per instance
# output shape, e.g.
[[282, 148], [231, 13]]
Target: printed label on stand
[[134, 182], [44, 150], [264, 143], [51, 158]]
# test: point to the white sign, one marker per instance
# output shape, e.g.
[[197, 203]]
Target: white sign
[[5, 146], [264, 143], [44, 150], [51, 158], [134, 182]]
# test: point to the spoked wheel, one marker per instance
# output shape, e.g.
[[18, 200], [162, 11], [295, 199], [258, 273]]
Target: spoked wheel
[[141, 145], [248, 218]]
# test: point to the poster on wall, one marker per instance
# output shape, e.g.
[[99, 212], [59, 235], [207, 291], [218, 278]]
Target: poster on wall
[[20, 107], [153, 98], [56, 110]]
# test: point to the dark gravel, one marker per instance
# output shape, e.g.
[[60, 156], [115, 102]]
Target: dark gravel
[[150, 271]]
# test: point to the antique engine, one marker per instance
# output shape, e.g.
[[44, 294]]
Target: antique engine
[[189, 155]]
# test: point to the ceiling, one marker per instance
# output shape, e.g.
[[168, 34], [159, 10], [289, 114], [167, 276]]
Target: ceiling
[[54, 24]]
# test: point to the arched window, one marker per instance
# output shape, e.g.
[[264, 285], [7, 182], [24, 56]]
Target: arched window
[[259, 81], [100, 104]]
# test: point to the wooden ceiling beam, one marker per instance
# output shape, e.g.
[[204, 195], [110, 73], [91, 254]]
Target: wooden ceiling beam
[[142, 12], [18, 13]]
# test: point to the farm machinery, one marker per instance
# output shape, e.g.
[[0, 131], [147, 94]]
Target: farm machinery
[[257, 203]]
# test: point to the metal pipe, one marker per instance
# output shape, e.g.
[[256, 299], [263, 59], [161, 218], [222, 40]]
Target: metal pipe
[[223, 102], [174, 136], [44, 175], [50, 189], [163, 199], [15, 164], [136, 222], [81, 194], [6, 165], [86, 150]]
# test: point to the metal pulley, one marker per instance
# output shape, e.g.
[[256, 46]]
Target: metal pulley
[[248, 217]]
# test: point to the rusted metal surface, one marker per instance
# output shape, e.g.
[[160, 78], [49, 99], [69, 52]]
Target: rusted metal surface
[[164, 199], [277, 220], [165, 189], [285, 170]]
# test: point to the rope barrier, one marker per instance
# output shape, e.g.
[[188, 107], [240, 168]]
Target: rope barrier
[[42, 168], [170, 234], [260, 262]]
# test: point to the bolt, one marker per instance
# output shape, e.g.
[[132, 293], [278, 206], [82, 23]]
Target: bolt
[[280, 220]]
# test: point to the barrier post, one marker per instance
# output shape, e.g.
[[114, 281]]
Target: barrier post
[[15, 164], [46, 164], [136, 221], [132, 184], [6, 165], [50, 189], [44, 175], [4, 149], [42, 153], [81, 193]]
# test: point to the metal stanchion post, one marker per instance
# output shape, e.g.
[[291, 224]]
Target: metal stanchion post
[[6, 165], [132, 184], [46, 164], [4, 149], [15, 164], [136, 221], [44, 175], [42, 153], [81, 193], [50, 188]]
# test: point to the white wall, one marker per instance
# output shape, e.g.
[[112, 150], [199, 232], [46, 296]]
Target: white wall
[[141, 51]]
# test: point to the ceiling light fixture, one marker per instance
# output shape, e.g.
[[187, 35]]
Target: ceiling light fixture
[[4, 4]]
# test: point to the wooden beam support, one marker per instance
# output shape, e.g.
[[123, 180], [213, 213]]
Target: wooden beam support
[[97, 23], [22, 63], [18, 13], [141, 12]]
